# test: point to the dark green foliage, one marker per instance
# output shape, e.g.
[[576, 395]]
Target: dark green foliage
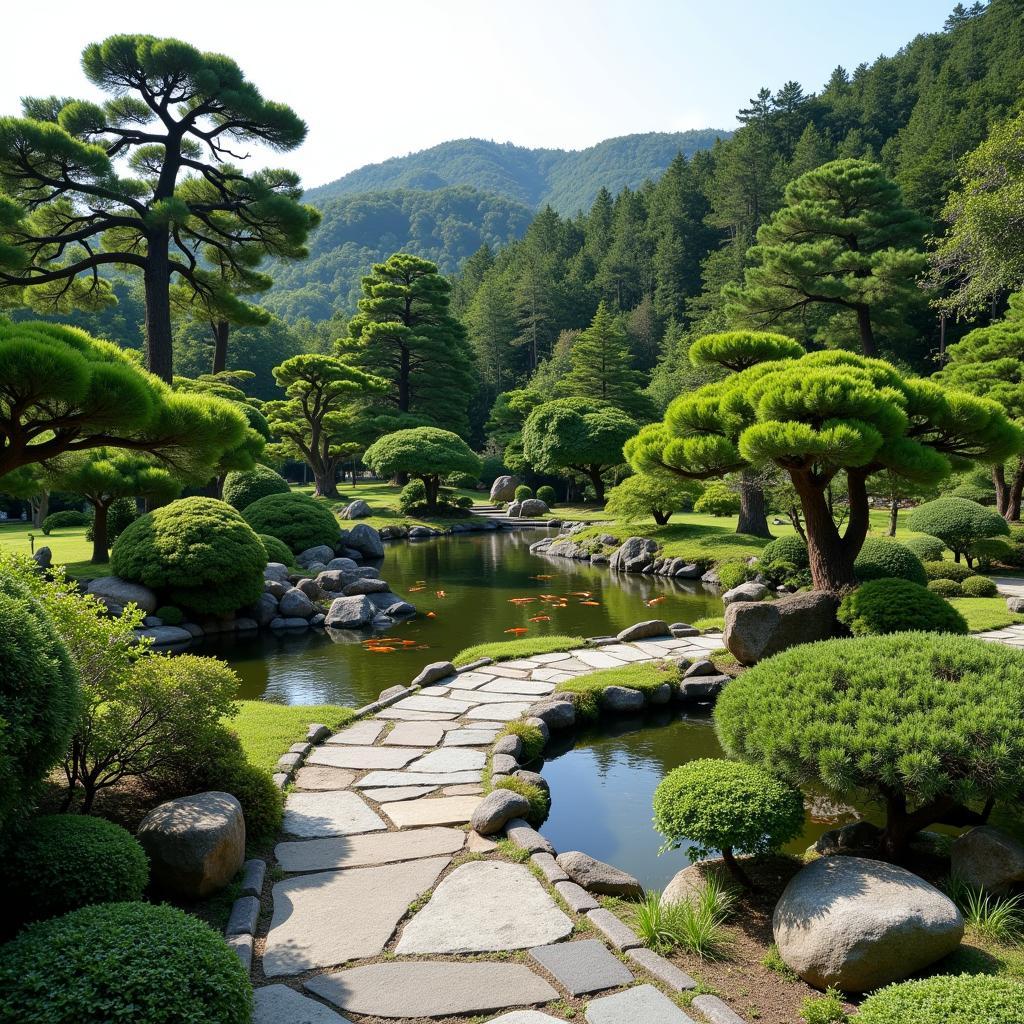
[[467, 481], [897, 606], [979, 586], [958, 523], [974, 492], [412, 495], [885, 558], [69, 517], [61, 862], [988, 550], [540, 799], [121, 514], [546, 493], [463, 501], [196, 552], [928, 549], [523, 492], [944, 570], [123, 963], [295, 519], [277, 550], [717, 499], [243, 487], [946, 999], [947, 588], [785, 549], [491, 467], [172, 615], [427, 453]]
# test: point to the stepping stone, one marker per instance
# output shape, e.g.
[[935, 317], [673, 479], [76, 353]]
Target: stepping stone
[[415, 734], [445, 760], [387, 796], [463, 790], [614, 929], [664, 970], [484, 696], [525, 663], [549, 659], [485, 906], [480, 844], [717, 1011], [508, 673], [627, 652], [362, 758], [582, 967], [330, 917], [573, 666], [364, 733], [431, 989], [279, 1004], [445, 810], [396, 715], [525, 686], [577, 897], [470, 737], [495, 726], [598, 659], [469, 680], [333, 813], [382, 779], [551, 675], [365, 850], [525, 1017], [421, 702], [497, 712], [320, 777], [642, 1003]]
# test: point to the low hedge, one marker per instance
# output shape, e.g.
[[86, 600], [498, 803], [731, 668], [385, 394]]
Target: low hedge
[[898, 606], [243, 487], [928, 549], [945, 588], [296, 519], [946, 999], [979, 586], [546, 493], [69, 517], [884, 558], [947, 571], [523, 492]]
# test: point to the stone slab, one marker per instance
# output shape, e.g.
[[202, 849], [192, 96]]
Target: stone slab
[[253, 873], [525, 1017], [524, 663], [573, 666], [386, 796], [642, 1003], [470, 737], [619, 934], [582, 967], [664, 970], [497, 712], [598, 659], [463, 790], [244, 912], [469, 680], [242, 945], [431, 989], [279, 1004], [381, 779], [450, 760], [577, 897], [330, 813], [716, 1011], [404, 715], [527, 837], [551, 675], [508, 673], [322, 777], [549, 867], [549, 659], [415, 734], [366, 850], [528, 687], [329, 917], [445, 810], [480, 844], [364, 758], [485, 906], [363, 733], [421, 702]]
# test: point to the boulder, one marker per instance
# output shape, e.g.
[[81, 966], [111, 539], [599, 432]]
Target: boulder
[[1015, 604], [533, 507], [534, 778], [277, 571], [344, 564], [112, 590], [758, 630], [396, 609], [334, 581], [857, 837], [555, 714], [43, 557], [621, 698], [514, 509], [265, 609], [634, 555], [503, 764], [660, 694], [689, 883], [690, 571], [434, 672], [295, 604], [166, 636], [497, 809], [643, 630], [357, 509], [365, 586], [987, 858], [511, 745], [596, 876], [366, 540], [704, 667], [745, 592], [540, 725], [420, 532], [318, 553], [311, 589], [289, 622], [349, 612], [276, 588], [859, 924], [504, 489], [703, 687], [683, 629], [195, 844]]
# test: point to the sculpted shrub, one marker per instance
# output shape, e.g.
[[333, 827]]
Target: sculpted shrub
[[979, 586], [69, 517], [928, 549], [523, 492], [897, 606], [243, 487], [947, 571], [946, 588], [717, 500], [958, 523], [277, 550], [297, 520], [785, 549], [546, 493], [885, 558]]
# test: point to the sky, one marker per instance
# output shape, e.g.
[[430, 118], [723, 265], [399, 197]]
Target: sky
[[375, 80]]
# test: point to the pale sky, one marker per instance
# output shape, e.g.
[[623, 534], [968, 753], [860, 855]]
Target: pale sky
[[375, 80]]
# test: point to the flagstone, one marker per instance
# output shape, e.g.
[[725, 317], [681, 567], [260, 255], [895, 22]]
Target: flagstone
[[582, 967], [525, 663], [463, 790], [627, 652], [574, 666], [598, 659], [448, 759], [328, 813], [485, 696], [501, 712], [364, 758], [381, 779], [508, 673], [469, 680], [404, 715], [372, 849], [550, 675], [549, 659], [422, 702], [363, 733], [642, 1003], [279, 1004], [386, 796], [524, 1017], [444, 810], [321, 777], [470, 737], [415, 734], [527, 686]]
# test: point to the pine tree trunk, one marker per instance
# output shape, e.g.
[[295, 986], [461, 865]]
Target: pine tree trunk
[[753, 518], [221, 330], [894, 511], [867, 334], [403, 381], [432, 485], [832, 555], [1002, 490], [661, 518], [594, 472], [100, 543], [156, 282]]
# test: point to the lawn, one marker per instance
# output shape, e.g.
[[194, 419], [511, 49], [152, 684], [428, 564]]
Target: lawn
[[68, 544], [985, 613], [268, 730], [503, 650]]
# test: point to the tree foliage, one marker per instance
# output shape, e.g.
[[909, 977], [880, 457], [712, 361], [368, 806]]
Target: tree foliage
[[295, 518], [893, 605], [958, 523], [427, 453], [243, 487], [650, 495]]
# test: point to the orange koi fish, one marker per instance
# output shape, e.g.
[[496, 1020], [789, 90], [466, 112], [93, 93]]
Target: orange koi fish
[[591, 604], [521, 600], [653, 601], [381, 650], [540, 618], [542, 577], [580, 593], [416, 590], [408, 643], [431, 615], [440, 593], [517, 630]]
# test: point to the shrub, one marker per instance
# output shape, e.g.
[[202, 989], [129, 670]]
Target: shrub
[[946, 588], [120, 515], [898, 606], [979, 586], [243, 487], [947, 571], [826, 1009], [975, 493], [413, 495], [531, 737], [295, 519], [727, 806], [988, 550], [463, 501], [69, 517], [467, 481], [932, 720], [65, 861], [732, 574], [885, 558], [786, 549], [523, 492], [172, 615], [946, 999], [277, 550], [546, 493], [121, 963], [718, 499], [958, 523], [196, 552], [538, 796], [928, 549]]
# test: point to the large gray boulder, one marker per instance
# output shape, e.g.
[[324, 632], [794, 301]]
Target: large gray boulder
[[621, 699], [504, 488], [643, 630], [497, 809], [195, 844], [112, 590], [532, 507], [634, 555], [859, 924], [366, 540], [357, 509], [319, 553], [1015, 604], [987, 858], [596, 876], [366, 586], [265, 609], [344, 564], [296, 604], [350, 612], [555, 714], [757, 630], [745, 592]]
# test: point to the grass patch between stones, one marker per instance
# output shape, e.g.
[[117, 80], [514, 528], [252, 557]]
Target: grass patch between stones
[[503, 650], [584, 691], [267, 730]]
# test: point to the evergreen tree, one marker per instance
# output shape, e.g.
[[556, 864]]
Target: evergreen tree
[[491, 322]]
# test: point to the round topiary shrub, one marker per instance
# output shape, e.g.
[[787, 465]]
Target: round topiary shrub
[[65, 861], [277, 550], [523, 492], [69, 517], [122, 963], [198, 553], [243, 487], [928, 549], [898, 606], [296, 519], [728, 806], [412, 496], [947, 571], [718, 499], [172, 615], [546, 493], [979, 586], [884, 558], [467, 481], [958, 523], [785, 549], [945, 588], [946, 999]]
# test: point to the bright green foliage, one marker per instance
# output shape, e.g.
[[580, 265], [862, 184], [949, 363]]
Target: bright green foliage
[[943, 570], [277, 550], [574, 435], [885, 558], [732, 574], [39, 697], [826, 1009], [427, 453], [503, 650], [979, 586], [196, 552], [532, 739], [121, 963], [540, 799], [523, 492], [890, 605], [946, 999], [58, 520], [693, 924], [412, 496], [65, 861], [546, 493], [972, 492], [947, 588], [739, 350], [958, 523], [717, 499], [928, 549], [728, 806], [988, 550], [844, 241], [585, 690], [651, 495], [785, 549], [921, 722], [295, 519], [464, 480], [243, 487]]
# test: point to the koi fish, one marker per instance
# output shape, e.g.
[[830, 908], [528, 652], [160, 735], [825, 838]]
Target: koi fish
[[431, 615], [440, 593], [517, 630], [591, 604], [653, 601], [408, 643], [580, 593], [540, 618], [382, 650], [542, 577], [416, 590], [521, 600], [549, 597]]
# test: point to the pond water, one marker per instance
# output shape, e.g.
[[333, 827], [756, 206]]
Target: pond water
[[478, 574]]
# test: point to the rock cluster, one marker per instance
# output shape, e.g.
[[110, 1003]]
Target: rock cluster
[[529, 508]]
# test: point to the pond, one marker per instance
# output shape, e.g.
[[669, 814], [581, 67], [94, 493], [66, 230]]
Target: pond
[[468, 582]]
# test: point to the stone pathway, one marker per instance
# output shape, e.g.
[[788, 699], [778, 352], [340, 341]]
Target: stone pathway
[[388, 907]]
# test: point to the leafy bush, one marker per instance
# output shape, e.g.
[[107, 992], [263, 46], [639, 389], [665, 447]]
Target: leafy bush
[[718, 499], [69, 517], [932, 720], [296, 519], [947, 571], [946, 588], [958, 523], [975, 493], [988, 550], [172, 615], [928, 549], [195, 552], [786, 549], [898, 606], [277, 550], [467, 481], [979, 586], [946, 999], [523, 492], [732, 574], [728, 806], [243, 487], [65, 861], [826, 1009], [412, 496], [884, 558], [120, 515], [546, 493], [538, 796], [532, 739], [121, 963], [463, 501]]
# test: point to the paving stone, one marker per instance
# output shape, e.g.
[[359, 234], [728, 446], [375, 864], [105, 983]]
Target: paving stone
[[484, 696], [549, 659], [573, 666], [527, 837], [279, 1004], [469, 680], [529, 687], [386, 796], [496, 726], [372, 849], [403, 715], [415, 734], [242, 945], [330, 917], [549, 866], [664, 970], [363, 733], [422, 702], [463, 790], [445, 810], [332, 813], [577, 897], [485, 906], [431, 989], [470, 737], [375, 779], [716, 1011], [498, 712], [626, 652], [525, 663], [642, 1003], [524, 1017], [450, 760], [253, 873], [363, 758], [480, 844], [598, 659], [620, 935], [321, 777], [508, 673], [582, 967]]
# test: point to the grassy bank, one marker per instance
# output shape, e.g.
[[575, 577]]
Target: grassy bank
[[504, 650], [268, 730]]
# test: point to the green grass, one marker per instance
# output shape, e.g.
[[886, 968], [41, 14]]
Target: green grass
[[711, 622], [68, 544], [268, 730], [585, 689], [985, 613], [503, 650]]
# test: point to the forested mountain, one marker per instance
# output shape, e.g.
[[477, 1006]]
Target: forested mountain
[[567, 180]]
